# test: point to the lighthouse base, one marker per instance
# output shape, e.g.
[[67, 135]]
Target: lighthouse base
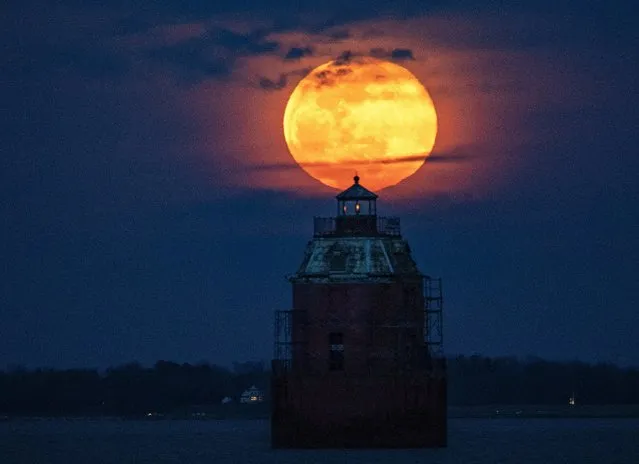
[[341, 411]]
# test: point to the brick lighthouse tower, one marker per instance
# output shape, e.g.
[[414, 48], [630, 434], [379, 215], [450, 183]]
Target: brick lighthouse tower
[[358, 360]]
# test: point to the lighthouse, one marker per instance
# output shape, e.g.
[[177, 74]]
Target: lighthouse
[[358, 359]]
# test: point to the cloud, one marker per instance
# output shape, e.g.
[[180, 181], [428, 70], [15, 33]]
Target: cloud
[[282, 81], [344, 58], [296, 53], [252, 43], [326, 77], [397, 54], [215, 53], [269, 84], [454, 156], [85, 38]]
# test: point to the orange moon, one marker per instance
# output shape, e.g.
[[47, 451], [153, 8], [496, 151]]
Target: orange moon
[[360, 115]]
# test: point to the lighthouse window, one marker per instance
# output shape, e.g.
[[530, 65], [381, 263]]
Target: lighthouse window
[[410, 296], [338, 262], [336, 351]]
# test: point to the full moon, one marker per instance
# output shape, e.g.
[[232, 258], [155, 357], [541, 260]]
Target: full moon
[[360, 115]]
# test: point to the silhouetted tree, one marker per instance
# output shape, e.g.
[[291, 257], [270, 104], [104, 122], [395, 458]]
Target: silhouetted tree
[[132, 389]]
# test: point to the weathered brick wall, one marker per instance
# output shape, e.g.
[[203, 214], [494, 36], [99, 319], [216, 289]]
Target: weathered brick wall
[[359, 311], [345, 411]]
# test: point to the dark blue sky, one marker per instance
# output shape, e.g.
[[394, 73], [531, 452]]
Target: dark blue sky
[[150, 209]]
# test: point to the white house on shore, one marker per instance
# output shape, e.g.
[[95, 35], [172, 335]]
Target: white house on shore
[[252, 395]]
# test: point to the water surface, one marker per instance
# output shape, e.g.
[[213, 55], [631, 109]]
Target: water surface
[[520, 441]]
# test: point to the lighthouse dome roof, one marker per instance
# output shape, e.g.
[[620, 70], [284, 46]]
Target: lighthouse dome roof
[[339, 258]]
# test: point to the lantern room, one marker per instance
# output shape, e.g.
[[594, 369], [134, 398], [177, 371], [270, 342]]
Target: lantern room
[[356, 200]]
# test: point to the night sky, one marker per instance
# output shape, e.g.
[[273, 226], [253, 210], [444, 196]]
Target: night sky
[[150, 208]]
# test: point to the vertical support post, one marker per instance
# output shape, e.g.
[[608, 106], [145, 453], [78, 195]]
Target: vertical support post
[[433, 307]]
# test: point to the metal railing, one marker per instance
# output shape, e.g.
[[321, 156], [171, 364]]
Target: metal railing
[[323, 226], [380, 225]]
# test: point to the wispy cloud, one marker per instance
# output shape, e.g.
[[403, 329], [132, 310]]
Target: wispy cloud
[[397, 54], [215, 53], [297, 53], [455, 156], [281, 82]]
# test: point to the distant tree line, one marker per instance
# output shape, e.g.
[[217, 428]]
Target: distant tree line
[[132, 389], [479, 380], [129, 389]]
